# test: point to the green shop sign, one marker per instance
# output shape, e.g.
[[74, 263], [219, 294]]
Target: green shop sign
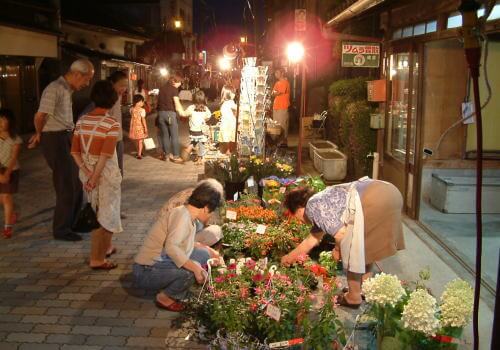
[[360, 54]]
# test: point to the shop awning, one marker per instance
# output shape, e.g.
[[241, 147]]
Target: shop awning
[[355, 8], [23, 42], [98, 54]]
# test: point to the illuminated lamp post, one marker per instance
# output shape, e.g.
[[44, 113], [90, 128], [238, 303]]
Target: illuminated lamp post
[[163, 71], [295, 53], [224, 64]]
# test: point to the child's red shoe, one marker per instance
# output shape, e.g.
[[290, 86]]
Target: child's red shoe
[[7, 232]]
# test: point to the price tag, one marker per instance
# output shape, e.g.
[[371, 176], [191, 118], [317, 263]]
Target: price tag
[[285, 343], [235, 197], [231, 215], [261, 229], [250, 182], [273, 311], [282, 189]]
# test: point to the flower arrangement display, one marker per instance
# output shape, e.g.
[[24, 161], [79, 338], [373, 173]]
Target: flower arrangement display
[[277, 240], [255, 213], [410, 317], [249, 297], [275, 189]]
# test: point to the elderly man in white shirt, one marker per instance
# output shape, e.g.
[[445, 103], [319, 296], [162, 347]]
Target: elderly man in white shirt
[[54, 128]]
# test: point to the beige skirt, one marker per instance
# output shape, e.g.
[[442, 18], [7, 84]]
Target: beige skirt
[[382, 205]]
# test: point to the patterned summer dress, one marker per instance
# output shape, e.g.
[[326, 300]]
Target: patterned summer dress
[[137, 131]]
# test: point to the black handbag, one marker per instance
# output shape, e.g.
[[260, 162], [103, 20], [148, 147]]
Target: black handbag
[[86, 220]]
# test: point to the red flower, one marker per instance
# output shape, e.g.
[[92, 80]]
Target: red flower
[[253, 307], [231, 275], [231, 267], [257, 277], [250, 264]]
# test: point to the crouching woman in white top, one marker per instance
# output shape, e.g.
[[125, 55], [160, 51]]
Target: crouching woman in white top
[[170, 260]]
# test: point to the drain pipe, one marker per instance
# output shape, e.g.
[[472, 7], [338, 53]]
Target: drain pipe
[[472, 47], [353, 10]]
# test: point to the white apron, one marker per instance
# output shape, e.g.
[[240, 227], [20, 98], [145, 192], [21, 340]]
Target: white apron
[[106, 196]]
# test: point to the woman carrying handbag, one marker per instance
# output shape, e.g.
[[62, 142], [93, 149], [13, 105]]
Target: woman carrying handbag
[[94, 151]]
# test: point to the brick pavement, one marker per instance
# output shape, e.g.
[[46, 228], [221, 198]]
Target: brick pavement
[[51, 299]]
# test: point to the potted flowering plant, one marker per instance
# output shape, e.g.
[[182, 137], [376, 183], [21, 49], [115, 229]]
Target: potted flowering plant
[[414, 319], [232, 173]]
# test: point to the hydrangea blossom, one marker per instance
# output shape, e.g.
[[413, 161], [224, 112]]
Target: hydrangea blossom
[[457, 303], [383, 289], [420, 313]]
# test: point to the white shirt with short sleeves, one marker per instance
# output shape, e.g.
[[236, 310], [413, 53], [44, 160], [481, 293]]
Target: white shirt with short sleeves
[[56, 103], [6, 146]]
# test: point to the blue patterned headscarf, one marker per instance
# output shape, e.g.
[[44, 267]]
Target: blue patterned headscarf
[[325, 208]]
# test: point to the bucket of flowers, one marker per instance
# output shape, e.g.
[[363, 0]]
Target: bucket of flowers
[[233, 173]]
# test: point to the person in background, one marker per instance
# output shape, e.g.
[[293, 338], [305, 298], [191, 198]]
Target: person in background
[[363, 216], [119, 79], [167, 119], [281, 93], [140, 90], [94, 152], [170, 260], [138, 126], [198, 114], [54, 128], [228, 121], [10, 146]]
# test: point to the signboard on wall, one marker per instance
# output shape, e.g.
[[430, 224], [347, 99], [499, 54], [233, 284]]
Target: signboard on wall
[[360, 54], [300, 20]]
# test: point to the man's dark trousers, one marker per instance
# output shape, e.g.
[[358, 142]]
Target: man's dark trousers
[[56, 148]]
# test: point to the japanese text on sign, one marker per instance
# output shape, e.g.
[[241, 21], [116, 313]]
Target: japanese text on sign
[[360, 54]]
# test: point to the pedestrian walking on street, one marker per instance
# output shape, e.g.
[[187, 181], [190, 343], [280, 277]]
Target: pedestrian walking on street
[[94, 151], [10, 146], [198, 114], [54, 127], [170, 260], [281, 93], [228, 120], [138, 126], [167, 118]]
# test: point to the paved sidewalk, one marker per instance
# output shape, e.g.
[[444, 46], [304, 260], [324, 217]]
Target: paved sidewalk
[[51, 299]]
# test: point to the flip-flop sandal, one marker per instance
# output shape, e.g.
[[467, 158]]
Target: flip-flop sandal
[[113, 251], [341, 300], [108, 265], [346, 290], [174, 307]]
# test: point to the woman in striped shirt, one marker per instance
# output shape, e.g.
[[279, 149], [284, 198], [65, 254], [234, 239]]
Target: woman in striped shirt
[[94, 151]]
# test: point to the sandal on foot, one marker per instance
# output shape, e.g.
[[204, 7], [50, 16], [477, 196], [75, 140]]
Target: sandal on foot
[[174, 307], [346, 290], [108, 265], [113, 251], [342, 301]]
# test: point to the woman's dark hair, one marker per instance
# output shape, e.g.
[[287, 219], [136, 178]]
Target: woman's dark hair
[[103, 94], [137, 98], [205, 195], [297, 198], [117, 75], [9, 115], [200, 101], [140, 84]]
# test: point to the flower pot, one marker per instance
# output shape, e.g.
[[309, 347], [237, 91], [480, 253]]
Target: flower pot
[[232, 188]]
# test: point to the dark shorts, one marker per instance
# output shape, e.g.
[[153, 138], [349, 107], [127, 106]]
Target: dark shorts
[[13, 184]]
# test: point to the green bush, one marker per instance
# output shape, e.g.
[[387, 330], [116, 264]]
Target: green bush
[[351, 124]]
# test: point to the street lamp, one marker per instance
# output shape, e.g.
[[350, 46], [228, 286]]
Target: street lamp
[[177, 24], [243, 39], [163, 71], [224, 64], [295, 53]]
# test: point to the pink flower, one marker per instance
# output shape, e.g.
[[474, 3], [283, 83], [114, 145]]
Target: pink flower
[[302, 288], [312, 297], [300, 299], [274, 291], [253, 307], [302, 258], [282, 297], [259, 291], [327, 287], [334, 300], [219, 279], [250, 264]]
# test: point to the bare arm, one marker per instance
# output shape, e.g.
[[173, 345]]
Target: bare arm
[[13, 159], [79, 162], [178, 107], [304, 247], [39, 121]]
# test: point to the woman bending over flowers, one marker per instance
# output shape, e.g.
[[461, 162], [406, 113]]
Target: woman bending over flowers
[[364, 216]]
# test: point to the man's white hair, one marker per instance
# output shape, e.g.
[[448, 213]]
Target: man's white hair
[[82, 65], [216, 185]]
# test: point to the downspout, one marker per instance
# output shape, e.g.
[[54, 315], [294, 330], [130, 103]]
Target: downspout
[[353, 10]]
